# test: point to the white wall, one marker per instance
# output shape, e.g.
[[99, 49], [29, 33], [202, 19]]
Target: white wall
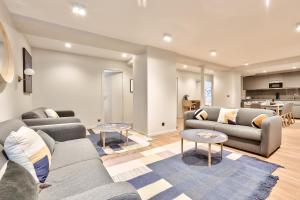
[[12, 99], [162, 95], [227, 89], [189, 83], [69, 81], [140, 94]]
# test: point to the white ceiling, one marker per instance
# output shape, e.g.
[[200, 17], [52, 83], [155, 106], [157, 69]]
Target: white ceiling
[[240, 30], [57, 45]]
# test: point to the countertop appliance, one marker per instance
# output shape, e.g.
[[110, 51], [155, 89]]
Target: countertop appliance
[[275, 85]]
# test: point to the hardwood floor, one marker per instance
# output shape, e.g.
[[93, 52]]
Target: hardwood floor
[[288, 156]]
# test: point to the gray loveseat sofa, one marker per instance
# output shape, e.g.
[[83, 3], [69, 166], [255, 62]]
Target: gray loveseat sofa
[[76, 171], [243, 136], [37, 117]]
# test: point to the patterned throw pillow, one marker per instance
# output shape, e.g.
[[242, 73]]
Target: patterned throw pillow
[[228, 116], [257, 121], [17, 183], [200, 114], [28, 149], [51, 113]]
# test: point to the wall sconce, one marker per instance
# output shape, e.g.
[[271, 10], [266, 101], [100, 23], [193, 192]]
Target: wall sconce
[[27, 72]]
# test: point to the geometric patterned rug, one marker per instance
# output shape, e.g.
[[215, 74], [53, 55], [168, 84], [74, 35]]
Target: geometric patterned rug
[[162, 173], [116, 143]]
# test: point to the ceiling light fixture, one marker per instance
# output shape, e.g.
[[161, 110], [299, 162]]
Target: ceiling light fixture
[[124, 55], [268, 3], [142, 3], [213, 53], [298, 27], [294, 67], [68, 45], [246, 64], [264, 71], [167, 38], [185, 66], [79, 10]]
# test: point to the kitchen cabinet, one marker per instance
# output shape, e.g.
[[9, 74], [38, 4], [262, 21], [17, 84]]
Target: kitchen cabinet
[[291, 80], [255, 83]]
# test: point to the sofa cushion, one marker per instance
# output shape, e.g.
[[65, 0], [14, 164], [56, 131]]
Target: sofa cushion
[[50, 142], [28, 149], [227, 116], [244, 132], [17, 183], [36, 113], [51, 113], [75, 179], [200, 114], [198, 124], [213, 113], [246, 115], [72, 151]]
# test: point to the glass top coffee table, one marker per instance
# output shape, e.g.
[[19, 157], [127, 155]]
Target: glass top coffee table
[[106, 128], [204, 136]]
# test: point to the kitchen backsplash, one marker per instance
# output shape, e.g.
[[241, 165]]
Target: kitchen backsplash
[[284, 94]]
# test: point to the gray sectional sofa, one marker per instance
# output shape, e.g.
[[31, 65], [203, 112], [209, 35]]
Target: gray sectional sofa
[[76, 171], [243, 136], [38, 117]]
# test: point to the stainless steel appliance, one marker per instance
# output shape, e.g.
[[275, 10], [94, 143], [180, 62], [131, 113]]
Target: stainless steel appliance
[[274, 85]]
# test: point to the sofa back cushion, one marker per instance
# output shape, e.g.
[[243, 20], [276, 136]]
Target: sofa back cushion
[[7, 127], [36, 113], [246, 115], [3, 158], [212, 112]]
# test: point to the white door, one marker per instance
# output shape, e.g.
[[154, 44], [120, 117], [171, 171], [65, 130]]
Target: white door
[[113, 96]]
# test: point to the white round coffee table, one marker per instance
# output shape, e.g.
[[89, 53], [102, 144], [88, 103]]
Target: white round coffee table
[[106, 128], [204, 136]]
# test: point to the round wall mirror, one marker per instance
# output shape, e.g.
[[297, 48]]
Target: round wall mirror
[[6, 58]]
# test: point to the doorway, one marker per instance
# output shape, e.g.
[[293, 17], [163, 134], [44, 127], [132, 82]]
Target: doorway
[[112, 96]]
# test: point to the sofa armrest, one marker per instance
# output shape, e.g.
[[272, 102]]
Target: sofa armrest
[[113, 191], [48, 121], [188, 115], [271, 135], [63, 132], [65, 113]]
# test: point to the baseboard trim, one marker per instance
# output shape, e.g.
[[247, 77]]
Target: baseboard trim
[[161, 132]]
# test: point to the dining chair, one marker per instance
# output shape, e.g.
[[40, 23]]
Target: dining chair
[[287, 114]]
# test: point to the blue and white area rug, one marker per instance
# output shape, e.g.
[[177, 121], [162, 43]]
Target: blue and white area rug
[[162, 173], [116, 143]]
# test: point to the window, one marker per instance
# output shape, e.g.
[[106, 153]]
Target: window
[[208, 92]]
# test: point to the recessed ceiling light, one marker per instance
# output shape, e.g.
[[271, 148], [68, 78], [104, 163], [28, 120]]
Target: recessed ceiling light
[[246, 64], [79, 10], [185, 66], [298, 27], [213, 53], [294, 67], [268, 3], [264, 71], [167, 38], [142, 3], [124, 55], [68, 45]]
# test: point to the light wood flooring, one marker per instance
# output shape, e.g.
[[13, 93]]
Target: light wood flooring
[[288, 156]]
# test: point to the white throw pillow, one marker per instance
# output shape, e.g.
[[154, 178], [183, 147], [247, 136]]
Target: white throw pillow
[[228, 116], [28, 149], [51, 113]]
